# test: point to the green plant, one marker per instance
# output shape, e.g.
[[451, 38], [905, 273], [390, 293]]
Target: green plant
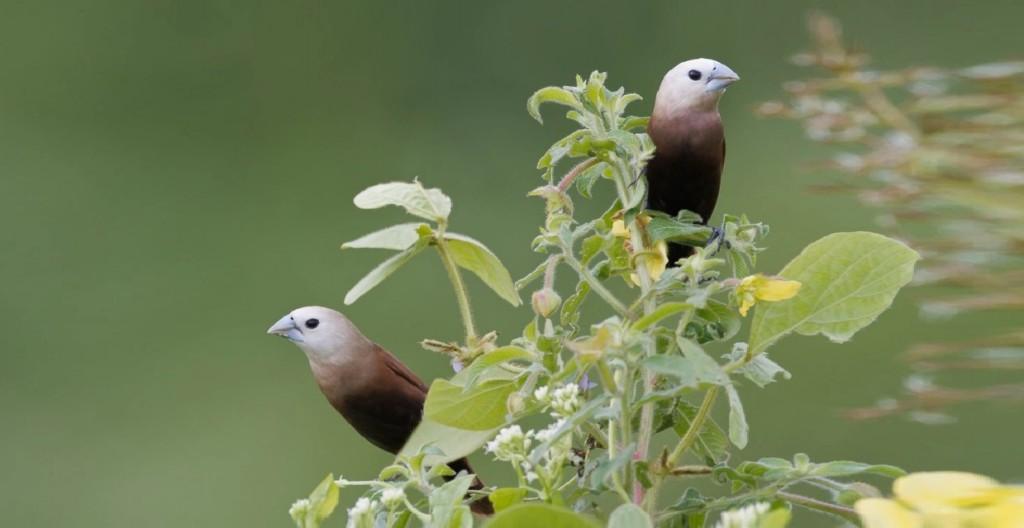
[[664, 352]]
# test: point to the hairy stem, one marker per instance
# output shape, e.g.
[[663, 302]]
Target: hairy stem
[[819, 505], [461, 295], [566, 181], [686, 442], [597, 287]]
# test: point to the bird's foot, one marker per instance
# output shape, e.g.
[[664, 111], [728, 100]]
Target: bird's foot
[[717, 240]]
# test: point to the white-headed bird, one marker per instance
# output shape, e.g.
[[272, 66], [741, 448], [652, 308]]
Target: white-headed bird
[[686, 128], [375, 392]]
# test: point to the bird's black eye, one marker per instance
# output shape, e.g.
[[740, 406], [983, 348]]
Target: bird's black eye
[[694, 75], [312, 323]]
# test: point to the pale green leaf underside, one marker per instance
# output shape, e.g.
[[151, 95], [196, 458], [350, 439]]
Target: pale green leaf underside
[[848, 280], [383, 271], [431, 204], [474, 256], [629, 516], [738, 429], [455, 443], [396, 237]]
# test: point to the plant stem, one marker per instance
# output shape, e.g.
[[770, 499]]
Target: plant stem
[[596, 285], [686, 442], [819, 505], [566, 181], [461, 295]]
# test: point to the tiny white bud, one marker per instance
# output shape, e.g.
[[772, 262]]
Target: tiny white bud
[[392, 498]]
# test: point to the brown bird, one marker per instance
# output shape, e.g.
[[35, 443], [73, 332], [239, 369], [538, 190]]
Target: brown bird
[[374, 391], [686, 128]]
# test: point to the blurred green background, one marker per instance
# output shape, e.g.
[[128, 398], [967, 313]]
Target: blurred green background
[[175, 176]]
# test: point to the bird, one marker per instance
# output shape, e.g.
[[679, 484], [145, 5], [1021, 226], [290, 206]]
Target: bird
[[375, 392], [685, 172]]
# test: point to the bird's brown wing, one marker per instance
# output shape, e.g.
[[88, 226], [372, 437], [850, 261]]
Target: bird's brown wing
[[389, 403], [400, 370]]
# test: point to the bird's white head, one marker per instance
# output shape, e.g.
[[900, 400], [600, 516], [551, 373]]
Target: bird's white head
[[696, 84], [325, 335]]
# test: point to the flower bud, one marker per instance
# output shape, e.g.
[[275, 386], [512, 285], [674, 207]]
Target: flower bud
[[545, 301]]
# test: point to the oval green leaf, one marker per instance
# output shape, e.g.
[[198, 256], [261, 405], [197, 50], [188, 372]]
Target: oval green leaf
[[431, 204], [536, 515], [629, 516], [383, 271], [480, 409], [474, 256], [848, 280], [396, 237]]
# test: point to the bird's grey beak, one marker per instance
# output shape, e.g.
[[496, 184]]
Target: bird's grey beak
[[286, 328], [721, 77]]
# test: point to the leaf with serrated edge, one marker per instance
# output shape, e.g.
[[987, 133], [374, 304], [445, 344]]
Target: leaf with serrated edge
[[431, 204], [383, 271], [397, 237], [474, 256], [629, 516], [738, 428], [847, 279], [480, 409]]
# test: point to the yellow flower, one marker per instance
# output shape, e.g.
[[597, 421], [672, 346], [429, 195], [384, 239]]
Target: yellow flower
[[770, 289], [655, 264], [619, 229], [945, 499]]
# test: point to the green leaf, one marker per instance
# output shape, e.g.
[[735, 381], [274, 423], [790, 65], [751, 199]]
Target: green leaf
[[629, 516], [738, 428], [551, 94], [711, 443], [322, 502], [676, 366], [383, 271], [455, 443], [602, 475], [446, 506], [845, 468], [705, 368], [537, 273], [431, 204], [474, 256], [684, 229], [540, 515], [660, 313], [480, 409], [497, 356], [503, 498], [848, 280], [397, 237], [762, 371]]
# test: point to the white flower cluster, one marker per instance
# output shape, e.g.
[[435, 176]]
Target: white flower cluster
[[361, 515], [746, 517], [564, 401], [510, 444], [392, 498], [299, 509], [513, 445]]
